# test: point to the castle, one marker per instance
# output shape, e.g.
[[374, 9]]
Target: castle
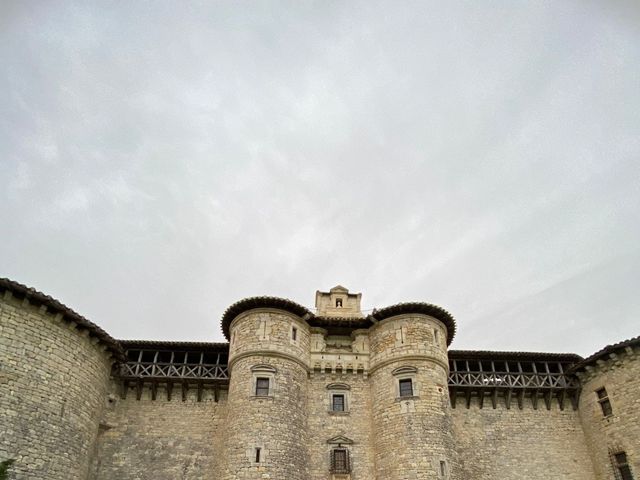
[[301, 395]]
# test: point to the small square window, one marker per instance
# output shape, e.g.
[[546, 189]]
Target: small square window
[[605, 403], [337, 403], [406, 387], [262, 387], [622, 466]]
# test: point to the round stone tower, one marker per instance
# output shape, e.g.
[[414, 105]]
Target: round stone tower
[[266, 430], [609, 410], [54, 374], [411, 411]]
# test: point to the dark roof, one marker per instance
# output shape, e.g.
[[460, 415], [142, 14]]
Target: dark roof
[[515, 356], [35, 297], [616, 347], [260, 302], [319, 321], [419, 307], [167, 345]]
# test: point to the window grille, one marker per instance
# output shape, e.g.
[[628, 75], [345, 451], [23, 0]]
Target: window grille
[[406, 387], [605, 404], [262, 387], [623, 471], [337, 403], [340, 461]]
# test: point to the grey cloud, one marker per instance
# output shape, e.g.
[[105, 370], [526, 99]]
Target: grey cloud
[[160, 162]]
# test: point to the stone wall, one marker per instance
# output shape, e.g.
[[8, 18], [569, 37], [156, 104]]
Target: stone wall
[[620, 432], [413, 435], [355, 424], [53, 384], [160, 439], [514, 444], [276, 423]]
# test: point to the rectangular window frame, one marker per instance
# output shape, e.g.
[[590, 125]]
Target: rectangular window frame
[[340, 461], [621, 466], [605, 402], [335, 405], [402, 385], [262, 390]]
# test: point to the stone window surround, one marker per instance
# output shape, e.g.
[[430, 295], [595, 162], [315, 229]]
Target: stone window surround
[[251, 454], [340, 443], [443, 469], [604, 402], [263, 371], [406, 373], [339, 389]]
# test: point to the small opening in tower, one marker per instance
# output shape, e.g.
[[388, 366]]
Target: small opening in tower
[[258, 454], [443, 468], [338, 303], [294, 333]]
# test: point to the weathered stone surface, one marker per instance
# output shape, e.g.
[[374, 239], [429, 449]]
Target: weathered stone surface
[[160, 439], [63, 418], [53, 388], [520, 444], [620, 432]]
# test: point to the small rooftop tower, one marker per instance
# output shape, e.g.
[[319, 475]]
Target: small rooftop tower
[[338, 302]]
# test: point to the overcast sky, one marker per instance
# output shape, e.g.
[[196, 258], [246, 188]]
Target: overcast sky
[[162, 160]]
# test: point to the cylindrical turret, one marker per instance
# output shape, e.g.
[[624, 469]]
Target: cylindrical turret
[[266, 428], [609, 408], [54, 373], [412, 424]]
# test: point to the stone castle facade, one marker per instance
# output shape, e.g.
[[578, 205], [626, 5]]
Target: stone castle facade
[[300, 395]]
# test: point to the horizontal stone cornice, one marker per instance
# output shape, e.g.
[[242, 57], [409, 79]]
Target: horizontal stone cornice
[[408, 358], [265, 353]]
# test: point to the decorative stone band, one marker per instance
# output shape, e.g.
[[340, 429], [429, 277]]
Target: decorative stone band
[[266, 353], [409, 358]]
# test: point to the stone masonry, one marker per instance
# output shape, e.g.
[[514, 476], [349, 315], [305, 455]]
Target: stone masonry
[[330, 394]]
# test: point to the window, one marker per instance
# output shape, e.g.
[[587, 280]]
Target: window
[[338, 303], [406, 387], [257, 454], [605, 404], [338, 398], [623, 471], [262, 387], [263, 381], [443, 468], [294, 333], [340, 461], [337, 403]]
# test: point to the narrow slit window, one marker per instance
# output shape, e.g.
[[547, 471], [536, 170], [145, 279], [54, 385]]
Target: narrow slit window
[[443, 468], [622, 466], [262, 387], [294, 333], [337, 403], [258, 454], [605, 403], [406, 387]]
